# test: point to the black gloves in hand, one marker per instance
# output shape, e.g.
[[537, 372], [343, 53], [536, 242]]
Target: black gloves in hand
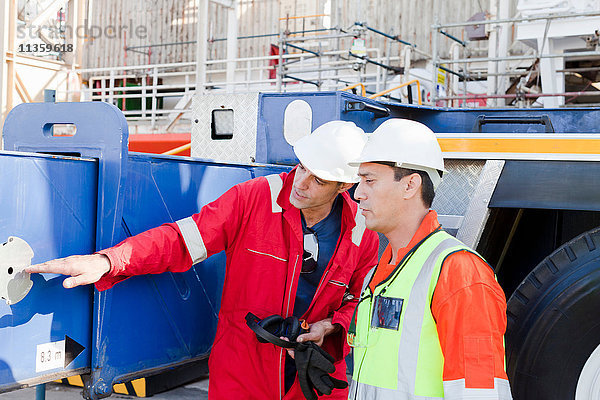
[[278, 326], [314, 366], [312, 363]]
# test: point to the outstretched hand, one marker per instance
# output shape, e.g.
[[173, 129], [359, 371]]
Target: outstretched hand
[[83, 270]]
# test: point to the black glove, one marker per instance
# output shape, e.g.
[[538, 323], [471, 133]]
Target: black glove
[[314, 366], [270, 329]]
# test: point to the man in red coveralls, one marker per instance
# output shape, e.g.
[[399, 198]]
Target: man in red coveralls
[[295, 245]]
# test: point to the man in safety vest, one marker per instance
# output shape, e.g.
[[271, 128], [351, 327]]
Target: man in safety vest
[[296, 245], [431, 319]]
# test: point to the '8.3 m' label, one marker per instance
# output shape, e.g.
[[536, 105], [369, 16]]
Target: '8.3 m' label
[[50, 356]]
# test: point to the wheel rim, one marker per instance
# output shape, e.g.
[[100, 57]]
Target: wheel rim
[[588, 384]]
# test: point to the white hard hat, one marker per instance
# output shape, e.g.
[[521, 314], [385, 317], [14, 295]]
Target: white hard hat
[[409, 144], [329, 149]]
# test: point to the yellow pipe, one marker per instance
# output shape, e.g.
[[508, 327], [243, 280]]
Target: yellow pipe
[[353, 86], [178, 150], [304, 16], [376, 95]]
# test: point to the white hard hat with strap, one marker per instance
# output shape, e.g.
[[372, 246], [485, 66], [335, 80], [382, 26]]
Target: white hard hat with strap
[[329, 149], [407, 143]]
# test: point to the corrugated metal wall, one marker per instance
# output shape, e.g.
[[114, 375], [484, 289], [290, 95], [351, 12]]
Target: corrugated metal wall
[[162, 22]]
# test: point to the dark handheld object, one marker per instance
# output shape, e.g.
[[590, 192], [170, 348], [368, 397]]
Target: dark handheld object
[[312, 363], [314, 367], [272, 328]]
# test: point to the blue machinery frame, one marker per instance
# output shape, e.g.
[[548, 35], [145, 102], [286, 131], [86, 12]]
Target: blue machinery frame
[[87, 192]]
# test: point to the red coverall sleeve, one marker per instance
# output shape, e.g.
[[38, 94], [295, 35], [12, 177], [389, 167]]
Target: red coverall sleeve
[[470, 311], [164, 249], [343, 315]]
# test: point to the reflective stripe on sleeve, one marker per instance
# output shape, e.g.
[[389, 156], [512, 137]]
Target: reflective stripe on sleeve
[[359, 228], [193, 239], [275, 185], [456, 390]]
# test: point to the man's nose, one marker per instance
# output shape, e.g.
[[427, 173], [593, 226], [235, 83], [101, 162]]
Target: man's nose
[[359, 193]]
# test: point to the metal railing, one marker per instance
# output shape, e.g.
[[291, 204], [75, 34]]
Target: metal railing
[[415, 81], [466, 68], [159, 94]]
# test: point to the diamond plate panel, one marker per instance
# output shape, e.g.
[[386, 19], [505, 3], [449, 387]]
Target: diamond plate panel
[[239, 149], [458, 186], [478, 212]]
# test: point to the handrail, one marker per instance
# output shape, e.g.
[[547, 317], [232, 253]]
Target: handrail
[[376, 95], [303, 16], [178, 150], [353, 86]]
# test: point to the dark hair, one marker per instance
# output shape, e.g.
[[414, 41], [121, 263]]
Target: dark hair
[[427, 191]]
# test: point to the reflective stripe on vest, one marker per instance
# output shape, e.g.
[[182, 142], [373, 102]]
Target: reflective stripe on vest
[[364, 391], [406, 363]]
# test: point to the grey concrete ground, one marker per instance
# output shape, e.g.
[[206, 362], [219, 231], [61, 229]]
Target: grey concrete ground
[[54, 391]]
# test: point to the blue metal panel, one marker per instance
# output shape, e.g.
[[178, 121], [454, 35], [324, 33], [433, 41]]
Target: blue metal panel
[[153, 322], [102, 133], [50, 202], [576, 120], [271, 146], [554, 185]]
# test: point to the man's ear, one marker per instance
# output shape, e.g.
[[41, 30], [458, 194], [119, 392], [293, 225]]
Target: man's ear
[[413, 185], [344, 186]]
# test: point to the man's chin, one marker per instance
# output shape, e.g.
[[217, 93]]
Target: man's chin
[[297, 203], [371, 225]]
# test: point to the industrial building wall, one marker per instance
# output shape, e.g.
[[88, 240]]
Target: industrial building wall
[[169, 25]]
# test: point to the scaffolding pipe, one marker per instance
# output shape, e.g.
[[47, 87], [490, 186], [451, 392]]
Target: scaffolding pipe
[[434, 50], [398, 70], [396, 38], [280, 62], [317, 84], [512, 58], [457, 40], [362, 87], [452, 72], [586, 69], [302, 49], [145, 46], [303, 17], [383, 93], [201, 46], [522, 19], [520, 95], [304, 39], [178, 150]]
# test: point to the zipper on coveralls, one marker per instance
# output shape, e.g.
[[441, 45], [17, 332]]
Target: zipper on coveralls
[[281, 357]]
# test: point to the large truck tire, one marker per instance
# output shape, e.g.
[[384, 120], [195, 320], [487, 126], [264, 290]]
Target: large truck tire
[[553, 334]]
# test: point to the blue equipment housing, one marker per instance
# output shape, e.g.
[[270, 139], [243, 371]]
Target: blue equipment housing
[[87, 193]]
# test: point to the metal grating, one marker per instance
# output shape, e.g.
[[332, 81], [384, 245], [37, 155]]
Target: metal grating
[[458, 186], [239, 149]]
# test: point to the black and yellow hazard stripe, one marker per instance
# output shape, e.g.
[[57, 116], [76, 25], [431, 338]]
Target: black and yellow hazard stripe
[[136, 387], [159, 382]]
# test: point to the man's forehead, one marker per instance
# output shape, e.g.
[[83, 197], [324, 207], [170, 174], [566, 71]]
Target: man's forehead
[[315, 175], [373, 169]]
